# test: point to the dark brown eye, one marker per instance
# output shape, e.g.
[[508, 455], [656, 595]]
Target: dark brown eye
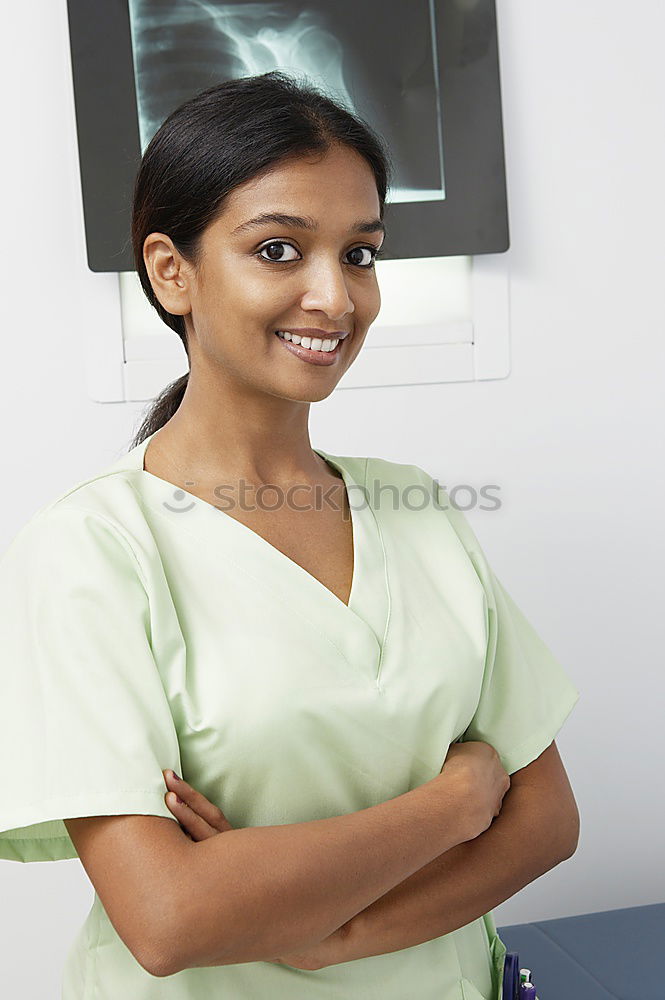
[[275, 257], [370, 250]]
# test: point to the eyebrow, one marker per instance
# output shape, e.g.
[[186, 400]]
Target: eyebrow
[[306, 222]]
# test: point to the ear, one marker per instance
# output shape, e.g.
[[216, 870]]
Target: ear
[[170, 275]]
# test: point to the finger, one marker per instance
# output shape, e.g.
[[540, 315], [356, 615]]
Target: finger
[[193, 824], [197, 802]]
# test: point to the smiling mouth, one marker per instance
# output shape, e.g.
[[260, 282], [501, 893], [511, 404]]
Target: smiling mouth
[[317, 345]]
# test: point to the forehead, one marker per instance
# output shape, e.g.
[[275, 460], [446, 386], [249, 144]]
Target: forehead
[[336, 186]]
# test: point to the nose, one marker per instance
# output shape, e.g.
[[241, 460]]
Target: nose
[[327, 291]]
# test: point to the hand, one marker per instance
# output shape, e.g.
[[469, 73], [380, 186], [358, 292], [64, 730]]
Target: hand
[[200, 819], [477, 768]]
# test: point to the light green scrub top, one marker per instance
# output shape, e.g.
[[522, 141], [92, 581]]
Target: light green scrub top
[[144, 628]]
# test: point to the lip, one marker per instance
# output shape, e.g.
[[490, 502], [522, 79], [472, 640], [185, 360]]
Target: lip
[[313, 357]]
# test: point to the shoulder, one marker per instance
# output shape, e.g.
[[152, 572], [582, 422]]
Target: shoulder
[[99, 518], [408, 487], [64, 543], [403, 495]]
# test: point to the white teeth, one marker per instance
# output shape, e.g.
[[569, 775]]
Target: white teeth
[[308, 342]]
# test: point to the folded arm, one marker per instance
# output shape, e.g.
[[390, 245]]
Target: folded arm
[[258, 892], [537, 829]]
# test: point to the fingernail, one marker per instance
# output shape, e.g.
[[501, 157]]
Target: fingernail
[[179, 800], [176, 776]]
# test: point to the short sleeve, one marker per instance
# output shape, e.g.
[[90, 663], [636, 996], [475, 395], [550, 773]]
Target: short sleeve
[[85, 724], [525, 696]]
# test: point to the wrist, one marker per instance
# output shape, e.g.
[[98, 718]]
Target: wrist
[[455, 802]]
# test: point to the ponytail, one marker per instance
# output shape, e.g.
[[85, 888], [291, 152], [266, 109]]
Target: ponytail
[[162, 408]]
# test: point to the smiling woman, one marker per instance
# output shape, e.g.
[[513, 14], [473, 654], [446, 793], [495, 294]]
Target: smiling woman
[[306, 661]]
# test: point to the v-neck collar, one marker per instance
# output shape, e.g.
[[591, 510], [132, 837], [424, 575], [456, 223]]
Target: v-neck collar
[[359, 628]]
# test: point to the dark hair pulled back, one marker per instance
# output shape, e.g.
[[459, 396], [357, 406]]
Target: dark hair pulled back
[[212, 143]]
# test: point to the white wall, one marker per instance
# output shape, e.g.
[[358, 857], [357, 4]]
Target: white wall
[[573, 436]]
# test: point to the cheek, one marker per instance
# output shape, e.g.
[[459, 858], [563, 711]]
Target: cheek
[[369, 301], [245, 300], [260, 298]]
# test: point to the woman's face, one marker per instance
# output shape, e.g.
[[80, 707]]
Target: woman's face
[[256, 278]]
